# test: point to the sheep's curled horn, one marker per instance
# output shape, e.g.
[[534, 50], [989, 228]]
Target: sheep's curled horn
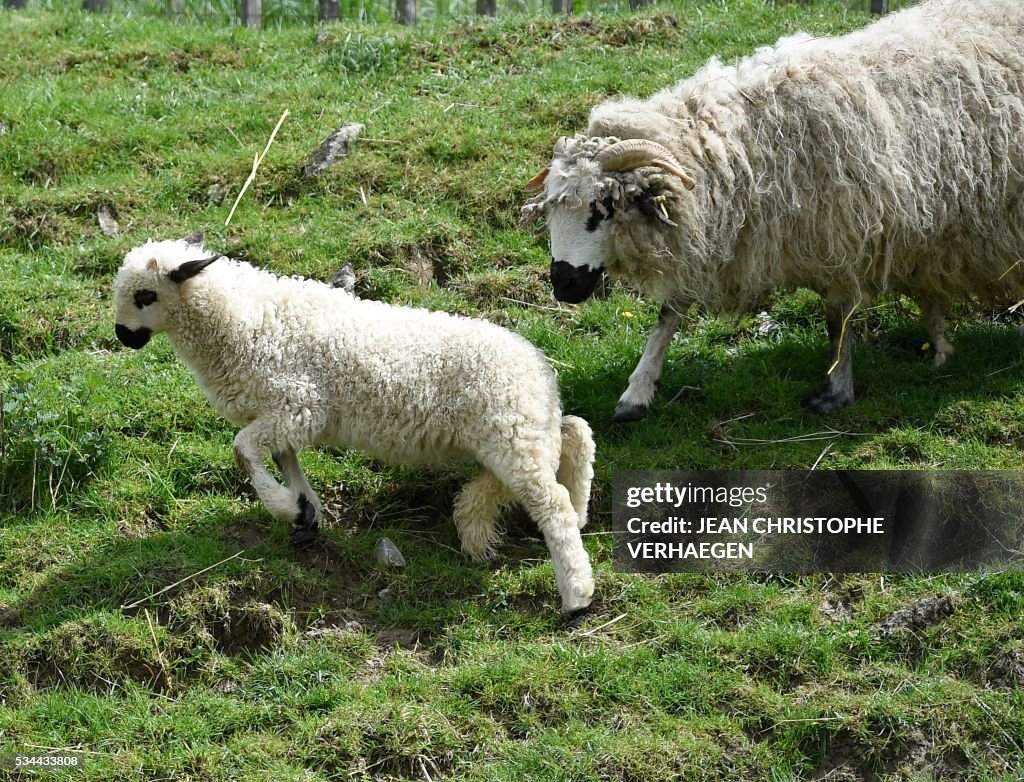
[[636, 152], [624, 156]]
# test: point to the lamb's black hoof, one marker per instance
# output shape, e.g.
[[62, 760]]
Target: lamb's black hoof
[[627, 412], [826, 400], [306, 525], [574, 620]]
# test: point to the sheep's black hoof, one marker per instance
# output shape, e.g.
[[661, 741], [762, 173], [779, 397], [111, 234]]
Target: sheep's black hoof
[[574, 620], [306, 525], [826, 400], [627, 412]]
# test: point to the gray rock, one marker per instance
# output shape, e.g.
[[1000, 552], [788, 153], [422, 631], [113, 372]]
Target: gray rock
[[344, 278], [387, 553], [335, 146]]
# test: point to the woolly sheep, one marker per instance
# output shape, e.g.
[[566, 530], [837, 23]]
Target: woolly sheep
[[886, 160], [296, 362]]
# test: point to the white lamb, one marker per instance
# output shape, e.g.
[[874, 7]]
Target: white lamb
[[297, 362]]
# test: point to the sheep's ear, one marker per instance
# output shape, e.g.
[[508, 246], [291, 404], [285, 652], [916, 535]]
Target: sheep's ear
[[153, 265], [195, 237], [190, 269], [536, 184]]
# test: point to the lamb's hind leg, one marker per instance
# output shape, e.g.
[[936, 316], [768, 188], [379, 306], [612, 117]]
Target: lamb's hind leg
[[310, 508], [548, 503], [643, 382], [839, 391], [476, 515], [934, 316], [284, 504]]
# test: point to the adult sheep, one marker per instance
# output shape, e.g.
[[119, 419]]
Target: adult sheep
[[296, 362], [886, 160]]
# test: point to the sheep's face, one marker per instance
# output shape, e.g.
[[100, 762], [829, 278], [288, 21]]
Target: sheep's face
[[148, 286], [595, 190], [579, 245]]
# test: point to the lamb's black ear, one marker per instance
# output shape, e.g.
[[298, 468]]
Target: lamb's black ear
[[196, 237], [190, 269]]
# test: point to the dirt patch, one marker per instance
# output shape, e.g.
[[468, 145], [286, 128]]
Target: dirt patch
[[407, 638], [923, 614], [88, 656], [911, 755], [1007, 670], [230, 620]]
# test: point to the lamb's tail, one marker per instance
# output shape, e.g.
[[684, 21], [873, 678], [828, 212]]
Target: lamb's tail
[[576, 467]]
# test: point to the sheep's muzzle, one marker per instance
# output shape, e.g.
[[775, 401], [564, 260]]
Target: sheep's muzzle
[[132, 339], [573, 284]]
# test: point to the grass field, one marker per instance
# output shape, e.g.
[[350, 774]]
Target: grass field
[[117, 480]]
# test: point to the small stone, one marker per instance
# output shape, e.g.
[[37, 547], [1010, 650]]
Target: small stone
[[335, 146], [384, 595], [387, 553], [108, 224], [216, 194], [344, 278], [767, 326], [352, 626]]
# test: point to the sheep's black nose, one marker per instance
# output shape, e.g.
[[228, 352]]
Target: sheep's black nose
[[573, 283], [132, 339]]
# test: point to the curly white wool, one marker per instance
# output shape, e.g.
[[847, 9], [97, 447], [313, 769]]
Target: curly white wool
[[297, 362]]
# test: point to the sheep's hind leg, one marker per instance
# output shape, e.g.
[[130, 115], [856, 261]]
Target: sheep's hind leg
[[476, 515], [310, 509], [284, 504], [839, 391], [643, 383]]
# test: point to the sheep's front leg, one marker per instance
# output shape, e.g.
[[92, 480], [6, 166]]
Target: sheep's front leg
[[839, 391], [643, 383], [311, 510], [284, 504]]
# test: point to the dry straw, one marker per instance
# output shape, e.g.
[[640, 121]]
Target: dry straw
[[255, 165]]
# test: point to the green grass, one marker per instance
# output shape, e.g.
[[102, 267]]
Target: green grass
[[116, 479]]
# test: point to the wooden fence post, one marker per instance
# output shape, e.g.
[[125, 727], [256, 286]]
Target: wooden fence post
[[330, 10], [486, 7], [176, 8], [251, 13], [561, 6], [405, 12], [96, 6], [879, 6]]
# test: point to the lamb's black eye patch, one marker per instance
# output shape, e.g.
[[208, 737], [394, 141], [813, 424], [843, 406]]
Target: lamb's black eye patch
[[144, 298], [597, 215]]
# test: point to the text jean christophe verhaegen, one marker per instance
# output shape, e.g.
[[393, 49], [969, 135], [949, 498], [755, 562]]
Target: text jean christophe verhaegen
[[665, 494]]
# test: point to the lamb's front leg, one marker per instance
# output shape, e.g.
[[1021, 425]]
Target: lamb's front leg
[[311, 510], [283, 503], [643, 383]]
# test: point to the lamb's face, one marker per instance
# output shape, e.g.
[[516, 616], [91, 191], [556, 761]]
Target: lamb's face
[[148, 287]]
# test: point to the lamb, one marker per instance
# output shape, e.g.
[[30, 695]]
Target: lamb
[[296, 362], [890, 159]]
